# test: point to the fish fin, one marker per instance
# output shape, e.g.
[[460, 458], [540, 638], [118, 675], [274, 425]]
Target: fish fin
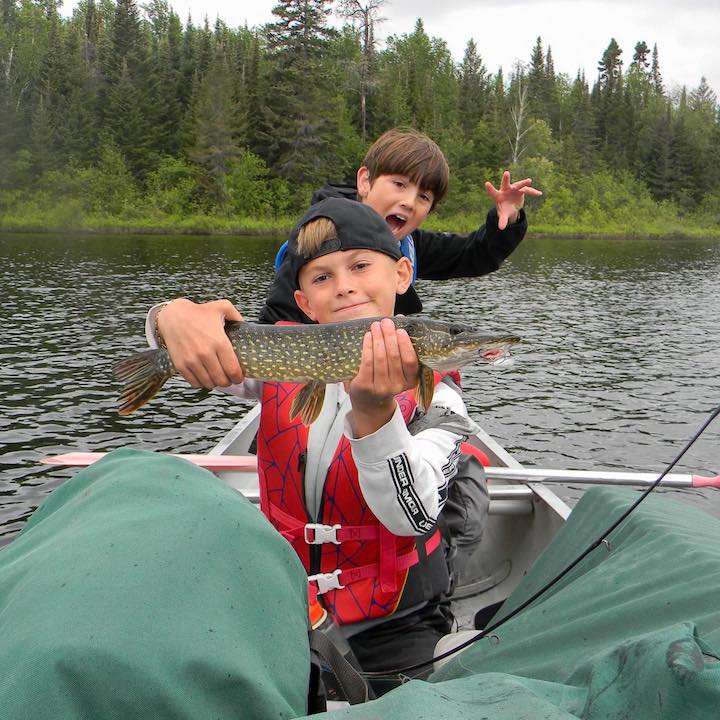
[[425, 388], [143, 374], [308, 402]]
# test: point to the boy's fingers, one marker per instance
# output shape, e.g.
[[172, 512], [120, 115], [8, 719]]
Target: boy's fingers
[[392, 351], [367, 358], [196, 375], [212, 374], [206, 372], [222, 366], [380, 360], [408, 356], [230, 368], [521, 183], [402, 360], [229, 310]]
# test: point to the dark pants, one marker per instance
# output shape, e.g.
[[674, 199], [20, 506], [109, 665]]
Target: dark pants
[[402, 642]]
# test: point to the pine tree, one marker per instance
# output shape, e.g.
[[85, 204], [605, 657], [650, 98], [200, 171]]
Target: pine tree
[[582, 131], [215, 134], [259, 129], [492, 148], [638, 82], [204, 45], [168, 70], [682, 165], [640, 56], [610, 68], [702, 98], [305, 142], [420, 70], [50, 91], [473, 89], [536, 82], [610, 106], [128, 108], [657, 170], [655, 72], [551, 93]]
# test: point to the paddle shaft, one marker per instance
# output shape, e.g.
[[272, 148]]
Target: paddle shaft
[[598, 477]]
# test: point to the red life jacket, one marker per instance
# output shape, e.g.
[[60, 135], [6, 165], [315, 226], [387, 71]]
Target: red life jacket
[[358, 567]]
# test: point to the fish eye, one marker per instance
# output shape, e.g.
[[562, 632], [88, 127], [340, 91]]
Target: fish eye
[[455, 330]]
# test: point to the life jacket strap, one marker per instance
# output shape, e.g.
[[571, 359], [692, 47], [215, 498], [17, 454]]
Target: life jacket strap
[[388, 554], [317, 533], [339, 578]]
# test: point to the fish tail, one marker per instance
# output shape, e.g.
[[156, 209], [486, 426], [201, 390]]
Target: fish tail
[[143, 374]]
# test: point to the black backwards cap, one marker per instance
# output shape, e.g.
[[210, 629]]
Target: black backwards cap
[[357, 226]]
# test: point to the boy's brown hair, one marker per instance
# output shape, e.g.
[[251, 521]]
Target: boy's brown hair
[[413, 154]]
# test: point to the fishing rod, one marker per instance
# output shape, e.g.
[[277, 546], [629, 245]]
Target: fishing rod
[[403, 673]]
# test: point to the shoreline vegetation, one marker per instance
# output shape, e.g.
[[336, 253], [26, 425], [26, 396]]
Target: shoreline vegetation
[[280, 228], [602, 204]]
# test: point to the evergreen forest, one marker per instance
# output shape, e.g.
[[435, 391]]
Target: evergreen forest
[[125, 116]]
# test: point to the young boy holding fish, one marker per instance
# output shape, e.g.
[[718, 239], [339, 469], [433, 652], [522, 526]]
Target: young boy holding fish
[[403, 177], [356, 493]]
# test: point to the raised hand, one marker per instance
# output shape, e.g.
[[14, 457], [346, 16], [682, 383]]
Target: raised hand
[[510, 198]]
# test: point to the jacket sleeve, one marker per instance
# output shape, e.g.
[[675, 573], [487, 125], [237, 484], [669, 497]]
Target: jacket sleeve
[[443, 256], [403, 477], [280, 301]]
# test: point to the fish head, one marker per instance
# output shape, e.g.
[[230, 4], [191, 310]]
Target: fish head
[[455, 345]]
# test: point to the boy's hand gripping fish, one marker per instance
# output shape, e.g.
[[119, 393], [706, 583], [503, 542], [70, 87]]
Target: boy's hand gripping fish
[[316, 355]]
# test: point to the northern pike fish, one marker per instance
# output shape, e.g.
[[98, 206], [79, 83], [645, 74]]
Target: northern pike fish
[[315, 355]]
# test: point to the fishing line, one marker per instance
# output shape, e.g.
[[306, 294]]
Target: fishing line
[[602, 539]]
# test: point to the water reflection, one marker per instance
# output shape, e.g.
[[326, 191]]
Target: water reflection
[[618, 366]]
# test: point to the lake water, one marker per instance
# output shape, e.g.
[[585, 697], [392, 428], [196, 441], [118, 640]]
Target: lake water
[[617, 369]]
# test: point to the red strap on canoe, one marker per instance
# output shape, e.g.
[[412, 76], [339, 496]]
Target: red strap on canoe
[[469, 449]]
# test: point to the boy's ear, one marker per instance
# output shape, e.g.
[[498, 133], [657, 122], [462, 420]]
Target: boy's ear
[[404, 272], [363, 182], [303, 304]]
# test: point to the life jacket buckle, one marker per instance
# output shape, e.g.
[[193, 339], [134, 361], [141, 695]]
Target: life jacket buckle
[[317, 534], [327, 581]]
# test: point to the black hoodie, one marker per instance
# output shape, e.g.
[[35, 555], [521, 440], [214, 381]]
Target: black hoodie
[[440, 256]]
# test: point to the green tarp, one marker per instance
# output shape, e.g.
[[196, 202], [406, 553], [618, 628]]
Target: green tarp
[[632, 632], [145, 588]]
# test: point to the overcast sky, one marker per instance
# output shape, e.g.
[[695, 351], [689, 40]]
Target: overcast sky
[[687, 33]]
